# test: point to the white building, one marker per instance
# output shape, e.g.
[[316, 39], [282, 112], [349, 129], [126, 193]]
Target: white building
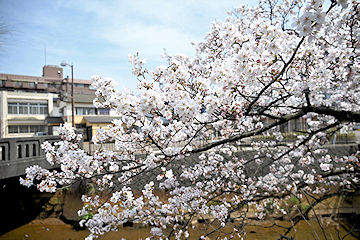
[[31, 104], [22, 114]]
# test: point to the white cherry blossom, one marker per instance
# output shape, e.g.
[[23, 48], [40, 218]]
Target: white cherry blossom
[[207, 129]]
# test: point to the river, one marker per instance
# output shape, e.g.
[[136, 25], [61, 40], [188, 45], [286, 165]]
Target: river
[[52, 228]]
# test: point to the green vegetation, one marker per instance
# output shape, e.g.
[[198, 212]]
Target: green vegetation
[[294, 201], [88, 216], [304, 206]]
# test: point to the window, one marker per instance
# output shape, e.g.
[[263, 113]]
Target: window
[[27, 129], [91, 111], [80, 125], [24, 129], [32, 85], [104, 111], [80, 85], [86, 111], [34, 109], [79, 111], [43, 109], [13, 129], [91, 87], [23, 108], [12, 108], [55, 102], [27, 108], [58, 86], [34, 129], [18, 84]]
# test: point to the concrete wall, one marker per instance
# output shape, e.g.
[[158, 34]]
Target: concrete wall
[[16, 154]]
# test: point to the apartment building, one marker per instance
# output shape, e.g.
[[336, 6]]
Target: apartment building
[[23, 115], [51, 81], [30, 104]]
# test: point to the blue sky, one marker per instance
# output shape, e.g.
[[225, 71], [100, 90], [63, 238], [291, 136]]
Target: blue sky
[[96, 36]]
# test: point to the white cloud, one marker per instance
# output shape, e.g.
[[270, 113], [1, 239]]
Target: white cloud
[[97, 35], [150, 26]]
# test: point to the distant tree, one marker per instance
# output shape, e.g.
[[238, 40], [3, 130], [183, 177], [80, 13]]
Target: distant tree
[[263, 68], [5, 33]]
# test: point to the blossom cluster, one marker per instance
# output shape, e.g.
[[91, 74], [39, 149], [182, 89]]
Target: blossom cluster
[[263, 70]]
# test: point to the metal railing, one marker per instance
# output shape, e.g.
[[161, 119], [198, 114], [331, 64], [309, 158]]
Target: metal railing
[[287, 138]]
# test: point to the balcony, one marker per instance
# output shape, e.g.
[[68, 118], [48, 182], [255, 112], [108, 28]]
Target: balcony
[[9, 84], [40, 86], [26, 85]]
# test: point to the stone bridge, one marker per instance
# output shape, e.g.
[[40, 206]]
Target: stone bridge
[[16, 154]]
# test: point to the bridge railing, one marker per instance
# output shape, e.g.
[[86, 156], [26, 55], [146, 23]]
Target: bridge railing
[[349, 138], [18, 153]]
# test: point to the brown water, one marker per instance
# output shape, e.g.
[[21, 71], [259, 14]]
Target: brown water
[[52, 228]]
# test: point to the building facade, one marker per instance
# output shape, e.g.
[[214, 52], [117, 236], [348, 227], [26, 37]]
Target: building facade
[[85, 110], [31, 105], [51, 81], [23, 115]]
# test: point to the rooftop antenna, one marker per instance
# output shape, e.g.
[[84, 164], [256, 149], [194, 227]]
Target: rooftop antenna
[[45, 54]]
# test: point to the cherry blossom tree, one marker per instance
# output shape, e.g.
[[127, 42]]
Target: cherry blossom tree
[[184, 131]]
